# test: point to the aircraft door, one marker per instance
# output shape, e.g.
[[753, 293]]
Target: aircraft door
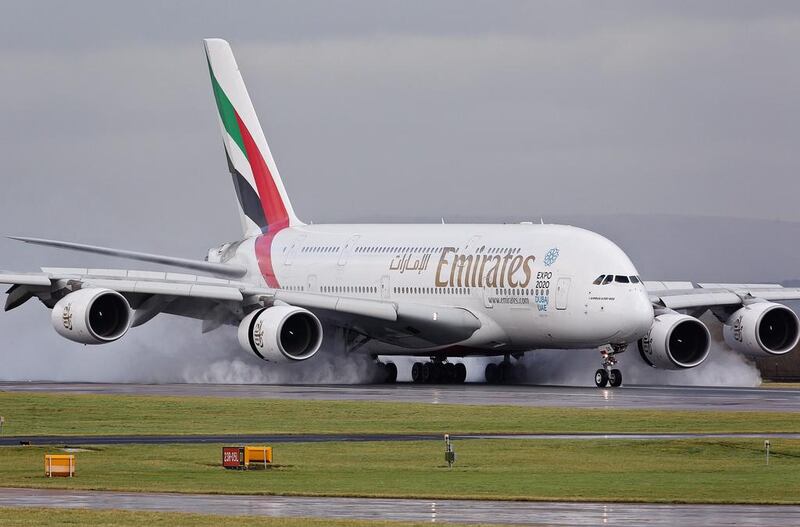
[[385, 289], [486, 293], [347, 250], [311, 283], [293, 249], [562, 293]]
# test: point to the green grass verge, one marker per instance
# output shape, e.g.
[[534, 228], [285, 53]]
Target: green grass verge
[[25, 517], [690, 471], [46, 414]]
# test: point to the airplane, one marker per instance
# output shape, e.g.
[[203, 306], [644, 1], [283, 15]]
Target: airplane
[[436, 292]]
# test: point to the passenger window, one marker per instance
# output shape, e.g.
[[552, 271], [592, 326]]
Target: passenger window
[[599, 279], [609, 279], [622, 279]]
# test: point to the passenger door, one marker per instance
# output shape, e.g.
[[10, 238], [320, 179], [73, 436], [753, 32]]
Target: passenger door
[[348, 249], [562, 293]]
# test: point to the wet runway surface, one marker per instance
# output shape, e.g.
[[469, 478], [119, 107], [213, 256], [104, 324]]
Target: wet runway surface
[[323, 438], [521, 513], [645, 397]]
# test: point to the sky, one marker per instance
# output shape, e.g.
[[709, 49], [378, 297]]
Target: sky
[[668, 126]]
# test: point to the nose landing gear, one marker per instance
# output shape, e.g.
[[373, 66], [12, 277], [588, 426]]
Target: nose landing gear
[[608, 375]]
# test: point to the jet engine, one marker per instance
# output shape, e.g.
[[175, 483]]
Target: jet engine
[[92, 316], [281, 333], [675, 342], [762, 329]]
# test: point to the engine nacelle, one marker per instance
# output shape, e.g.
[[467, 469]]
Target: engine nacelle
[[281, 333], [675, 342], [762, 329], [92, 316]]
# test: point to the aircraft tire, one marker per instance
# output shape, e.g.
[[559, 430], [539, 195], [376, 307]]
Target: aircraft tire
[[391, 372], [416, 372], [601, 378], [449, 372], [615, 379], [427, 372], [492, 373], [460, 370]]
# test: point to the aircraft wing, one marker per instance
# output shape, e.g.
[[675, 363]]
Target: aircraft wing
[[687, 295], [218, 301]]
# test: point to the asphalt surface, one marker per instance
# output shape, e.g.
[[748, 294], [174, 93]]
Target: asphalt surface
[[645, 397], [434, 511], [322, 438]]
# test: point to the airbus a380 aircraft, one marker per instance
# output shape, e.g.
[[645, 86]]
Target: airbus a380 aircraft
[[430, 291]]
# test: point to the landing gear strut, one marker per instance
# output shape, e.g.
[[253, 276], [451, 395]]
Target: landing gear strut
[[608, 375]]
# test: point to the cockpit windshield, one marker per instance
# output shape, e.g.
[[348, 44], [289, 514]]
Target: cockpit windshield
[[604, 279]]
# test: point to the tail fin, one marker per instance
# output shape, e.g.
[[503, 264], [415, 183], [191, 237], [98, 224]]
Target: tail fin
[[263, 202]]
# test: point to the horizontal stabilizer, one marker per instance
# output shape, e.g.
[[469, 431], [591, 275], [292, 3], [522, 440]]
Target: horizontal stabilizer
[[185, 263]]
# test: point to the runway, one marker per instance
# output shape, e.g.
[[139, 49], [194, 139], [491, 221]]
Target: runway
[[642, 397], [434, 511]]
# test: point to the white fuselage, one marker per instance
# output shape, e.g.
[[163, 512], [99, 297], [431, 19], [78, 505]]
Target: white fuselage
[[530, 285]]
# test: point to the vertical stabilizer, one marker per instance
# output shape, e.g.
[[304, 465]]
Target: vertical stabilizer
[[263, 202]]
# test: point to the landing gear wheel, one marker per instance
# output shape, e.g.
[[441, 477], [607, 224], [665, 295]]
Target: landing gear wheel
[[601, 378], [449, 372], [416, 372], [460, 372], [506, 372], [391, 372], [615, 378], [427, 372], [493, 373]]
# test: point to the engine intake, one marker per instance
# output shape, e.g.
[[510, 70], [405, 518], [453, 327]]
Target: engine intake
[[281, 333], [675, 342], [762, 329], [92, 316]]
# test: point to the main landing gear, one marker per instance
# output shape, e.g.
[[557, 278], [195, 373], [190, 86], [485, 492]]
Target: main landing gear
[[438, 371], [505, 372], [608, 375], [389, 370]]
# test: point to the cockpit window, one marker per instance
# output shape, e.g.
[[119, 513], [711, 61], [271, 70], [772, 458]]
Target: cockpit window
[[609, 279], [622, 279], [599, 279], [635, 279]]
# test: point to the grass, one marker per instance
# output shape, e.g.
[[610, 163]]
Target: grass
[[687, 471], [27, 517], [60, 414]]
